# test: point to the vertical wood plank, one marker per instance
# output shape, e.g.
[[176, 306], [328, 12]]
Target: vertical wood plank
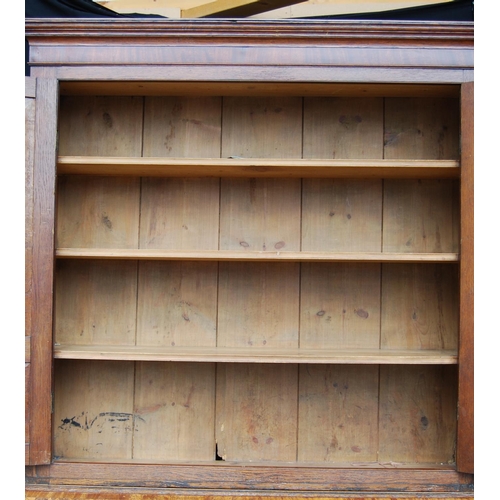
[[97, 212], [419, 303], [182, 127], [418, 414], [177, 301], [27, 410], [95, 302], [258, 305], [420, 216], [257, 412], [342, 128], [340, 215], [419, 306], [177, 304], [180, 214], [340, 306], [29, 86], [93, 410], [340, 303], [262, 127], [29, 148], [260, 214], [421, 128], [29, 124], [338, 413], [465, 439], [44, 161], [174, 411], [100, 126]]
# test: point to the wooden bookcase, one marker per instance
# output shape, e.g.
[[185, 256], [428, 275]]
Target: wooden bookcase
[[257, 282]]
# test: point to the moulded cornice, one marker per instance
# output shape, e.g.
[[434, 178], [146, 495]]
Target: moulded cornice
[[251, 50], [319, 30]]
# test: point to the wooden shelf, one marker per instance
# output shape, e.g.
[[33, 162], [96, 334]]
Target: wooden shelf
[[246, 256], [256, 355], [257, 167]]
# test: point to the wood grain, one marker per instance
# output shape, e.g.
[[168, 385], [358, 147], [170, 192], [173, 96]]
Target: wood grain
[[234, 479], [340, 306], [262, 127], [257, 167], [27, 411], [465, 444], [342, 215], [338, 413], [29, 123], [343, 127], [420, 216], [95, 302], [44, 185], [182, 127], [174, 411], [250, 256], [323, 356], [177, 304], [419, 306], [100, 125], [421, 128], [82, 493], [29, 134], [258, 305], [179, 214], [100, 212], [418, 414], [298, 52], [256, 412], [269, 51], [93, 409], [260, 214]]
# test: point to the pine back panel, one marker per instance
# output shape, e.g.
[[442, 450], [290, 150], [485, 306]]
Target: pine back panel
[[257, 412]]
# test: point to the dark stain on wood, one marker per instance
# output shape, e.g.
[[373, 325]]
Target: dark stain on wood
[[82, 422], [362, 313], [105, 220], [108, 121]]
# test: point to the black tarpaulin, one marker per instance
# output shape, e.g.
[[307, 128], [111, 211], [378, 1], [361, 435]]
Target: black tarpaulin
[[458, 10], [71, 9]]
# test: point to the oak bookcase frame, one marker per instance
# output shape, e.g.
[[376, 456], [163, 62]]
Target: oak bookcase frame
[[237, 57]]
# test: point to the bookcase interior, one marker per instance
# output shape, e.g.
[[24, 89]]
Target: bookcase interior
[[356, 410]]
